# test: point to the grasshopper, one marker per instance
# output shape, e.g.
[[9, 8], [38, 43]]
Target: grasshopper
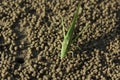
[[68, 37]]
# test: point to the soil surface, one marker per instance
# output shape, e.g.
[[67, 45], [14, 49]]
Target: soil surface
[[31, 36]]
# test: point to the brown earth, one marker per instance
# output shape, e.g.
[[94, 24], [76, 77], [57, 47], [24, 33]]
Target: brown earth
[[31, 36]]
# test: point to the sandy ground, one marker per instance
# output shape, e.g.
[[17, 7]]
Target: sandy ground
[[31, 36]]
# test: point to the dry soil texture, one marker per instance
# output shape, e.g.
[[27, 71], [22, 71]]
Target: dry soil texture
[[31, 36]]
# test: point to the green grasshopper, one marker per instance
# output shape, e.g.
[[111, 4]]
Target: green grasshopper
[[68, 37]]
